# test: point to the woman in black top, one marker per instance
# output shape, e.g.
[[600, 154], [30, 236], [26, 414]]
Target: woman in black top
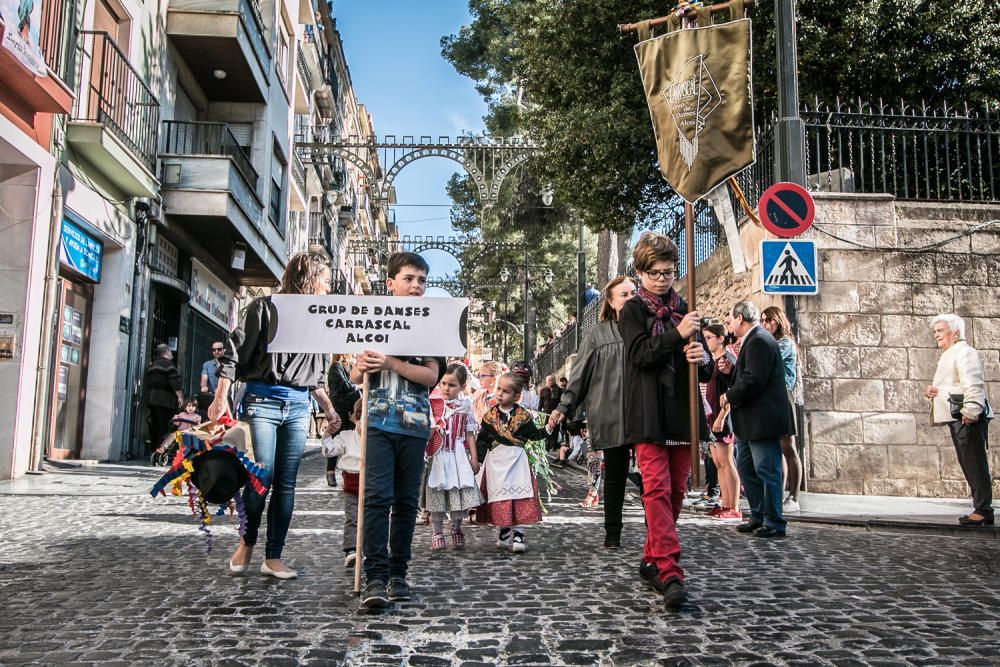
[[276, 406], [655, 327]]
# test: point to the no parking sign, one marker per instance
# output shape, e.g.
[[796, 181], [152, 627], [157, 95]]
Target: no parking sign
[[786, 209]]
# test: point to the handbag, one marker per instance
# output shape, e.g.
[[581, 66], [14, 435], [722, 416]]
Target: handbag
[[955, 403]]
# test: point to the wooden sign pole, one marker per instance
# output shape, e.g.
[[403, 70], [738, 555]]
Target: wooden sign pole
[[693, 390], [358, 550]]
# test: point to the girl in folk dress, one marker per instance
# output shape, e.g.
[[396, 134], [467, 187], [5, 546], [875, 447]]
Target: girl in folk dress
[[449, 486], [506, 480]]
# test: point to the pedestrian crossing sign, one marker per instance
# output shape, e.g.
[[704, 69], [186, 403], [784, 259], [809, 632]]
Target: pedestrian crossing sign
[[788, 267]]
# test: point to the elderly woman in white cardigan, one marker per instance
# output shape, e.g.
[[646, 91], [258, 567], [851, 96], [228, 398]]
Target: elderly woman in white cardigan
[[959, 382]]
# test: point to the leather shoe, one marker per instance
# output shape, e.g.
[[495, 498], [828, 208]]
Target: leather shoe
[[967, 520], [749, 526], [674, 594], [768, 532], [649, 573]]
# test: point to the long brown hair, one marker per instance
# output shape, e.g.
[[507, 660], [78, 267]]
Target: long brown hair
[[607, 310], [301, 272], [782, 328]]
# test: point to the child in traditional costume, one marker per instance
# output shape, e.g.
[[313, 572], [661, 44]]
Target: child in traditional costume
[[506, 481], [346, 448], [449, 487]]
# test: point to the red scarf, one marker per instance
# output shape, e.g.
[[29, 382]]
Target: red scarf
[[671, 309]]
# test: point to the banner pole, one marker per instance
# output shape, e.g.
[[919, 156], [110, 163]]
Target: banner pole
[[693, 391], [358, 550]]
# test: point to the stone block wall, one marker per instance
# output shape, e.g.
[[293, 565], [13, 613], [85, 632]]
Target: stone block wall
[[865, 339]]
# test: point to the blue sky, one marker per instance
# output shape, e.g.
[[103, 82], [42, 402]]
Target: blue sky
[[394, 53]]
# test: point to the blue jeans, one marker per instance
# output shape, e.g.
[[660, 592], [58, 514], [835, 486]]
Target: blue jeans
[[279, 430], [394, 467], [759, 463]]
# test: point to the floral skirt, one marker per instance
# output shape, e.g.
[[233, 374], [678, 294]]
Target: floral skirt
[[519, 512], [460, 499]]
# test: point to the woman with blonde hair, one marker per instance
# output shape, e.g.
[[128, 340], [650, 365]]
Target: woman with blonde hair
[[595, 384], [276, 406]]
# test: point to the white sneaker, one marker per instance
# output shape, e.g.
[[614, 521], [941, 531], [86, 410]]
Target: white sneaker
[[504, 542], [517, 544], [350, 558], [791, 505]]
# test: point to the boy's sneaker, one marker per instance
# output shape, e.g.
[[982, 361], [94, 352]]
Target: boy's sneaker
[[398, 590], [648, 572], [517, 544], [673, 592], [504, 539], [374, 595], [790, 505], [350, 558]]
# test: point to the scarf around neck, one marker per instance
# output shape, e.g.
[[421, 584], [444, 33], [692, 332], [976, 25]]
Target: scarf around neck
[[670, 308]]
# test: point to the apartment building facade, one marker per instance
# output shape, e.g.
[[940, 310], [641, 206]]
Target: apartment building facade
[[148, 164]]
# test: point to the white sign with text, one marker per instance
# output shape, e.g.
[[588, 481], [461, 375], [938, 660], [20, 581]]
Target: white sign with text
[[396, 325]]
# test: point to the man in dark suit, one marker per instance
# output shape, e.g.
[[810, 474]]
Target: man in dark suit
[[761, 415]]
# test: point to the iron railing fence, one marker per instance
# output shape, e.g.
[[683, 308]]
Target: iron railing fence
[[320, 232], [304, 74], [55, 33], [555, 354], [117, 97], [253, 23], [913, 152], [206, 138]]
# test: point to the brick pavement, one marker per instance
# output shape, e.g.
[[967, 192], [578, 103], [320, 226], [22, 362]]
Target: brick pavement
[[120, 579]]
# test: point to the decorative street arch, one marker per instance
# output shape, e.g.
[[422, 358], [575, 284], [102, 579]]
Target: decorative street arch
[[487, 160]]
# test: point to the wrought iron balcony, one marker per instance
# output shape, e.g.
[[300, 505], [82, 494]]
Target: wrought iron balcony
[[115, 96], [199, 138]]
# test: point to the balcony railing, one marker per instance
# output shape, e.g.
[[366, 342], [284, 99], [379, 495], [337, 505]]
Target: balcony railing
[[304, 74], [198, 138], [54, 35], [254, 24], [117, 97], [299, 172]]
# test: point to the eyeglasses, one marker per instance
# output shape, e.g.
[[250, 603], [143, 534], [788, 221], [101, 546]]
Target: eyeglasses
[[216, 349], [661, 275]]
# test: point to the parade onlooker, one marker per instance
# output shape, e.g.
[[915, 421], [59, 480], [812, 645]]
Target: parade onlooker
[[655, 327], [276, 406], [596, 386], [529, 397], [761, 415], [590, 294], [162, 388], [508, 486], [343, 394], [209, 370], [394, 462], [449, 489], [958, 399], [721, 448], [774, 320]]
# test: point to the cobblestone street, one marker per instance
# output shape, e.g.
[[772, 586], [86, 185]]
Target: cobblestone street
[[110, 576]]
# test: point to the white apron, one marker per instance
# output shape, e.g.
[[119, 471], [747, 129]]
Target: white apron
[[508, 474]]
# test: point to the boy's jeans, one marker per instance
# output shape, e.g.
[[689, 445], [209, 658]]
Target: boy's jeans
[[394, 466], [279, 430]]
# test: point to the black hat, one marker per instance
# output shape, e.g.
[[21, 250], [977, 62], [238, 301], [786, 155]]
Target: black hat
[[219, 475]]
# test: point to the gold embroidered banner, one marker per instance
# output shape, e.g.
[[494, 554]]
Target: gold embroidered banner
[[698, 86]]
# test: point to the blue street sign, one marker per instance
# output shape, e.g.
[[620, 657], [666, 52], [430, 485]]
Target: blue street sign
[[788, 267], [80, 251]]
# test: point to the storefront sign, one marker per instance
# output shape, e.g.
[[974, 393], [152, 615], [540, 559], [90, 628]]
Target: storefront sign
[[80, 251], [401, 326], [21, 22], [209, 295]]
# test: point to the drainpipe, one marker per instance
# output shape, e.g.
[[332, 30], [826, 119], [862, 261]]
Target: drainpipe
[[39, 426], [137, 329]]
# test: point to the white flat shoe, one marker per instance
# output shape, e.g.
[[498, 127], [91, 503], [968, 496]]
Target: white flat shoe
[[278, 574], [238, 569]]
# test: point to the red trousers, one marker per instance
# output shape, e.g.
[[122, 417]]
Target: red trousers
[[665, 471]]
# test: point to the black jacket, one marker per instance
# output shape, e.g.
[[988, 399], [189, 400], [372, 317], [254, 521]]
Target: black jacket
[[656, 397], [343, 394], [761, 410], [161, 382]]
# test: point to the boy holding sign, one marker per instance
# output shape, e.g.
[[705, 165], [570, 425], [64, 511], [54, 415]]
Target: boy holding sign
[[399, 420]]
